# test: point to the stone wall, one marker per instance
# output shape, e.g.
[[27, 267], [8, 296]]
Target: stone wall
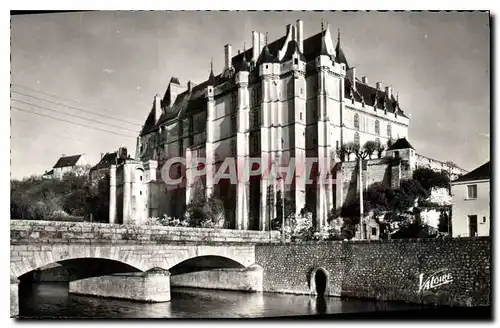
[[143, 286], [244, 279], [384, 270], [26, 231]]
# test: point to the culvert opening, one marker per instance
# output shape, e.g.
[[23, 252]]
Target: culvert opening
[[320, 281]]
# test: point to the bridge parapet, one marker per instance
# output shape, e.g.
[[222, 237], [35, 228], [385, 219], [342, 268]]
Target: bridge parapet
[[31, 231]]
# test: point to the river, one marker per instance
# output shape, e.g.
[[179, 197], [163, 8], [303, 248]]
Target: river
[[51, 300]]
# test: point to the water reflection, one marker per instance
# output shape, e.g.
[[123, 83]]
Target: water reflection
[[320, 305], [52, 300]]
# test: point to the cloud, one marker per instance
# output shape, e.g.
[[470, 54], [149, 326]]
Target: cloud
[[107, 70]]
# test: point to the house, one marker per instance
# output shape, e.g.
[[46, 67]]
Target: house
[[471, 203], [107, 160], [66, 164]]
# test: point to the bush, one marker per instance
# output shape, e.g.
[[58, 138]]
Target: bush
[[167, 221], [75, 195]]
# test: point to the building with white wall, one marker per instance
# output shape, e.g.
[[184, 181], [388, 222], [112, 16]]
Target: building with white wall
[[66, 164], [471, 203]]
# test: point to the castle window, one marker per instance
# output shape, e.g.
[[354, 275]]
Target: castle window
[[233, 124], [233, 101], [356, 139], [300, 115], [140, 177], [255, 118], [389, 130], [356, 121], [377, 127], [255, 95], [233, 147], [254, 145], [374, 231], [296, 61], [337, 145]]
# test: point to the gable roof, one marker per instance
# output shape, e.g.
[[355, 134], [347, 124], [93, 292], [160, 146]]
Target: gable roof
[[481, 173], [66, 161], [49, 172], [401, 143]]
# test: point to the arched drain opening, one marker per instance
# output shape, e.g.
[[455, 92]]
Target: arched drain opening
[[320, 281]]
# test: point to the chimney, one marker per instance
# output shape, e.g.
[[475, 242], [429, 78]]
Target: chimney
[[388, 91], [379, 85], [63, 155], [227, 56], [102, 155], [351, 74], [191, 85], [364, 79], [255, 45], [173, 90], [157, 107], [289, 31], [122, 153], [300, 34], [262, 42]]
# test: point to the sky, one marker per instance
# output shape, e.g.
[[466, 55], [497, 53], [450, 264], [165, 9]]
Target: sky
[[71, 65]]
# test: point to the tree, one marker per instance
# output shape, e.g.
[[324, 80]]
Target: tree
[[203, 212], [277, 222], [73, 197], [429, 179], [370, 147], [349, 148], [380, 150]]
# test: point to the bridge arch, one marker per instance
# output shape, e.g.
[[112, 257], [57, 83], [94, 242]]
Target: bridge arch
[[61, 253], [141, 257]]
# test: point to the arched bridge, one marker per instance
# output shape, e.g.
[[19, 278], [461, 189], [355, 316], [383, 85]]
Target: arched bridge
[[35, 244]]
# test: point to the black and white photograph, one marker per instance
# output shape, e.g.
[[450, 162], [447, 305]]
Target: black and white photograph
[[250, 165]]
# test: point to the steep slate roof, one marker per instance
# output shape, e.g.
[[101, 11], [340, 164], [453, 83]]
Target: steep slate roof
[[266, 56], [371, 95], [106, 161], [340, 56], [67, 161], [481, 173], [291, 49], [400, 144], [187, 101]]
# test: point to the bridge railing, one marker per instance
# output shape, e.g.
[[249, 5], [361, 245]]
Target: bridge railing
[[30, 231]]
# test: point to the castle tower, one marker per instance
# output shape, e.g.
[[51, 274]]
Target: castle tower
[[209, 168], [242, 147], [266, 64]]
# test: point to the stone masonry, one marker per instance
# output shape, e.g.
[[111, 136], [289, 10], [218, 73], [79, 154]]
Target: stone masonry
[[383, 270]]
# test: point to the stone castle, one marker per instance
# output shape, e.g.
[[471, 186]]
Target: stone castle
[[293, 98]]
